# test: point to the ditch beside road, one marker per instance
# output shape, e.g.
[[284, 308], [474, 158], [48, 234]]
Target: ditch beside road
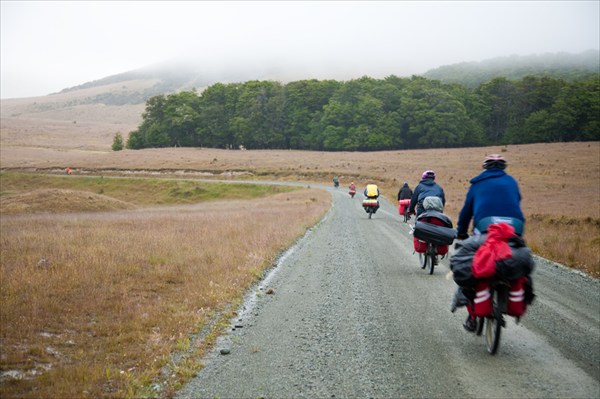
[[351, 314]]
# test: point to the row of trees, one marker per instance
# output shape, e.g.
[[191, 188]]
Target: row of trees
[[372, 114]]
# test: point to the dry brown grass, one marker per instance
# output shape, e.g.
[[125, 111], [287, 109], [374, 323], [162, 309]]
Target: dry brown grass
[[94, 305], [60, 121], [560, 179], [60, 200]]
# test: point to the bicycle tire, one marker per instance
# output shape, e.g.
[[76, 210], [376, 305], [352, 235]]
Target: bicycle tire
[[492, 334], [423, 259], [493, 327], [432, 256], [480, 323]]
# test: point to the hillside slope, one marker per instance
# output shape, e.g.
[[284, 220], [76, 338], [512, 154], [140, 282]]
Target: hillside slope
[[559, 65]]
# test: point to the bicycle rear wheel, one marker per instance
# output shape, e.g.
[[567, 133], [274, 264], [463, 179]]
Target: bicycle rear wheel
[[493, 327], [480, 323], [423, 259], [432, 255]]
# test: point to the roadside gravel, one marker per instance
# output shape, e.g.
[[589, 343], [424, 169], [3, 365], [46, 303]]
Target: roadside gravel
[[351, 314]]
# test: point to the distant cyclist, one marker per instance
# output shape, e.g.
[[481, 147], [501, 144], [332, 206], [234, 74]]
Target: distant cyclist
[[352, 189], [493, 197], [405, 192], [404, 195], [427, 187]]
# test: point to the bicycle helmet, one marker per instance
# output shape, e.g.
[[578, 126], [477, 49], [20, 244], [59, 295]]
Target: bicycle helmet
[[428, 174], [494, 161]]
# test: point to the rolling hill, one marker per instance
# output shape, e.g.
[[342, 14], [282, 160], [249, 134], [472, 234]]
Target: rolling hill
[[88, 115], [558, 65]]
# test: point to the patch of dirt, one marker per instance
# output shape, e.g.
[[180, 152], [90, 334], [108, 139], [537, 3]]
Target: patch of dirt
[[60, 200]]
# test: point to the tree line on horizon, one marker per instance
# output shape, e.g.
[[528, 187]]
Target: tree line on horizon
[[370, 114], [569, 67]]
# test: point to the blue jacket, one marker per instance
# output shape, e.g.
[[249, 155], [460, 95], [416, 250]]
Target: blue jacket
[[425, 188], [492, 193]]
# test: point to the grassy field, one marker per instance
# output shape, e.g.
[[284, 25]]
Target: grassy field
[[560, 182], [105, 280], [29, 192], [105, 303]]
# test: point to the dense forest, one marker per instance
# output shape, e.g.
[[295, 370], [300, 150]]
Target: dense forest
[[373, 114]]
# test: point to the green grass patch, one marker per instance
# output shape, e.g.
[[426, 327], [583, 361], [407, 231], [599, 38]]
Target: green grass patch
[[138, 191]]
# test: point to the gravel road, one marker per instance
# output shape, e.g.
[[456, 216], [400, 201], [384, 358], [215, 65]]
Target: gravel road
[[353, 315]]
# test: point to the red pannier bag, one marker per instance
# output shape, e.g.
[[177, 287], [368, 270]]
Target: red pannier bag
[[441, 249], [420, 246], [516, 305], [370, 202], [482, 304], [403, 206]]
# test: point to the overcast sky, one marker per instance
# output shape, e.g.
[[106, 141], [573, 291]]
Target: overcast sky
[[51, 45]]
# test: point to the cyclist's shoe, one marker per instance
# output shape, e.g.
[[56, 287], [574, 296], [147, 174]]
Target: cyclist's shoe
[[470, 324]]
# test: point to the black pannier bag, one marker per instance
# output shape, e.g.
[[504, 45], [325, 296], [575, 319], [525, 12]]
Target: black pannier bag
[[437, 235]]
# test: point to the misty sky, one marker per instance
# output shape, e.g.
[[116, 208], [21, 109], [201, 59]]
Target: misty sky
[[47, 46]]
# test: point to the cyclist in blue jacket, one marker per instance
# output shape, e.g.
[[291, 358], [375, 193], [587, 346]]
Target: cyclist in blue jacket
[[493, 197], [427, 187]]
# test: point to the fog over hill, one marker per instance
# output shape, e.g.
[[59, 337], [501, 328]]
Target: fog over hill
[[557, 65], [185, 74], [121, 98]]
